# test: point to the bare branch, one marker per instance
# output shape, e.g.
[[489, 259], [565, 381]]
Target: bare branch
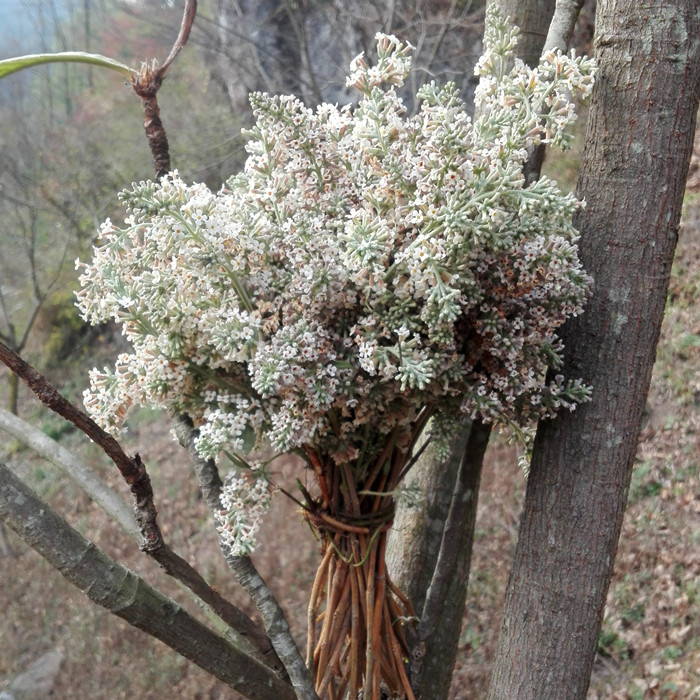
[[123, 593], [559, 34], [74, 468], [205, 470], [234, 617], [134, 472], [561, 28], [146, 85], [247, 575], [184, 34], [276, 625], [115, 507]]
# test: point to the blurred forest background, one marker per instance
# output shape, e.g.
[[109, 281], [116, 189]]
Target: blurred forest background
[[72, 137]]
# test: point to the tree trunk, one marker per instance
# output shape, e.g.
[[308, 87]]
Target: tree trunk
[[415, 538], [638, 146], [443, 611], [532, 17]]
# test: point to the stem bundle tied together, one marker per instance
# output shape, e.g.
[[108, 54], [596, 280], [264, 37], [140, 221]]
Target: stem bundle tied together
[[356, 644]]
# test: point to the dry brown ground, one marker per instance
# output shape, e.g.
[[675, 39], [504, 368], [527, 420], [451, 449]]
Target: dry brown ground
[[650, 645]]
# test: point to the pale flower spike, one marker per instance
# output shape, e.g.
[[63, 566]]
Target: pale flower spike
[[393, 65], [244, 502], [363, 267]]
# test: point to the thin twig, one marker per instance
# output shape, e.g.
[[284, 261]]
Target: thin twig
[[319, 582], [276, 625], [188, 16], [376, 622], [355, 634], [414, 458], [274, 620], [205, 470], [370, 653], [342, 624], [398, 657], [146, 85]]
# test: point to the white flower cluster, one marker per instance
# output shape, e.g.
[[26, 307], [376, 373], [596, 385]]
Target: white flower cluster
[[244, 501], [366, 266]]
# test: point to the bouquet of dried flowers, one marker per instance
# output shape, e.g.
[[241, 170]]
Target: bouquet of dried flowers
[[367, 271]]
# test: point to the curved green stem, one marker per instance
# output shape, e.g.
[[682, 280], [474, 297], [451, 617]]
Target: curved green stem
[[12, 65]]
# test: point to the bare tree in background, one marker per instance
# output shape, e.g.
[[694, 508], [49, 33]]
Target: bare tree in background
[[26, 280], [280, 46], [45, 214]]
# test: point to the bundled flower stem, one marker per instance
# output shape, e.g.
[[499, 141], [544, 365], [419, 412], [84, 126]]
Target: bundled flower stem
[[366, 271], [360, 644]]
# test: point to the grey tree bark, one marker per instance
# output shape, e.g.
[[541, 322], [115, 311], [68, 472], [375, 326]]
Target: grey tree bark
[[443, 601], [123, 593], [638, 146]]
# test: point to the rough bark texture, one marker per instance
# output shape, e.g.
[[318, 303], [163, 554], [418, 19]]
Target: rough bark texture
[[635, 162], [123, 593]]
